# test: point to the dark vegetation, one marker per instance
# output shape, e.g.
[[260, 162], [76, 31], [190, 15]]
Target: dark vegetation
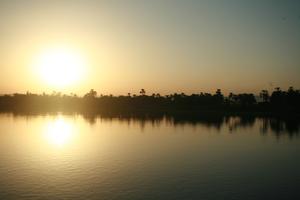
[[278, 102]]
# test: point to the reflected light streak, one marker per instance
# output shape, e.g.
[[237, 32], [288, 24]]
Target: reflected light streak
[[59, 132]]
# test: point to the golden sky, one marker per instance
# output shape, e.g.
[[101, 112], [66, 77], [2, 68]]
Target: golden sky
[[117, 47]]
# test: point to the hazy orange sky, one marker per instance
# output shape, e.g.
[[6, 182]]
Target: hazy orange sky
[[162, 46]]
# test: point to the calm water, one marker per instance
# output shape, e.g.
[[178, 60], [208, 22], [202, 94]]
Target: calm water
[[76, 157]]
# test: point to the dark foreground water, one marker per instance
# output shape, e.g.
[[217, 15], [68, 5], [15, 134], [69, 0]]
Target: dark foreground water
[[75, 157]]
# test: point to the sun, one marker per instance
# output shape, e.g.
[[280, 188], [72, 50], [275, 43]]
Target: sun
[[60, 67]]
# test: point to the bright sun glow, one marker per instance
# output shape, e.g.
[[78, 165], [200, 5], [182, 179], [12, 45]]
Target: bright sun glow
[[60, 67], [59, 132]]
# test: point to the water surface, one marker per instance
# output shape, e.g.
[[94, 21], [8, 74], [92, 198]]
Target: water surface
[[82, 157]]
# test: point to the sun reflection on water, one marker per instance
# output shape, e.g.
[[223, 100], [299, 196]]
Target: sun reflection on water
[[59, 132]]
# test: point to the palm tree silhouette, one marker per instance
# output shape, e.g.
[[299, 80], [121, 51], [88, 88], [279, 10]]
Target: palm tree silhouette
[[142, 92]]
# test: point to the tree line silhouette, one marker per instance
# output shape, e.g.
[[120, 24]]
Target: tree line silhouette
[[278, 101]]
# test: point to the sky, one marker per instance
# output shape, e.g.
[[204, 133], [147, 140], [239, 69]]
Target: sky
[[163, 46]]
